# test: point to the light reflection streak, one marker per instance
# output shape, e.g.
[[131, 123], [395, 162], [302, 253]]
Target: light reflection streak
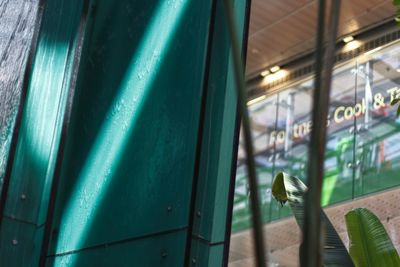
[[115, 132]]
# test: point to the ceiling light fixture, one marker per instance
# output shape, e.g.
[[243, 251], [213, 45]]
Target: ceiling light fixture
[[264, 73], [351, 45], [348, 39], [275, 76], [274, 69]]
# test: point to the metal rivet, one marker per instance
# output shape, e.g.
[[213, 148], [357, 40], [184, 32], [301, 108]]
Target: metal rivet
[[198, 214], [23, 196], [14, 242], [169, 208], [194, 260]]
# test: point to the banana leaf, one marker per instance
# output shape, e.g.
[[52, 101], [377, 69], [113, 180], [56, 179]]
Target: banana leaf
[[286, 188], [370, 245]]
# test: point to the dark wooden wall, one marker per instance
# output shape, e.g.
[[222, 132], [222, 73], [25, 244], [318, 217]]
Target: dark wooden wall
[[17, 22]]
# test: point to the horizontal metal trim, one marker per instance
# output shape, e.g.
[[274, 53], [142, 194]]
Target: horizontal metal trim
[[207, 242], [127, 240]]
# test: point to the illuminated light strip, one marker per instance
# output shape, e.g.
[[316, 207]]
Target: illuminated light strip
[[120, 120], [373, 50], [255, 100]]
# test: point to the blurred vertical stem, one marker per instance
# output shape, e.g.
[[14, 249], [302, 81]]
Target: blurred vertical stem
[[311, 249], [251, 171]]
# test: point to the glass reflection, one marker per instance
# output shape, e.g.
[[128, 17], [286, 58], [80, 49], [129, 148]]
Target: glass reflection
[[363, 142]]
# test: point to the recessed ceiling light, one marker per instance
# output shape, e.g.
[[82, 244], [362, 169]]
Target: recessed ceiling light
[[348, 39], [274, 69], [352, 45], [275, 76], [264, 73]]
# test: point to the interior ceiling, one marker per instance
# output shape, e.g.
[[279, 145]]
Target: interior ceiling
[[284, 30]]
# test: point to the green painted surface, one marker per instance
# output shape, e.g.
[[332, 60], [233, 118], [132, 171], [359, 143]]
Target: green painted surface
[[217, 146], [20, 243], [220, 120], [33, 167], [207, 254], [130, 153], [153, 252], [126, 179], [41, 123]]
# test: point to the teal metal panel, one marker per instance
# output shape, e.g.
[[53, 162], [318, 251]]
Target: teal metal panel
[[40, 131], [213, 128], [152, 251], [130, 151], [218, 142], [38, 139], [207, 254], [19, 243]]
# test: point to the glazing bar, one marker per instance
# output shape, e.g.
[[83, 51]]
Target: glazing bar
[[251, 171]]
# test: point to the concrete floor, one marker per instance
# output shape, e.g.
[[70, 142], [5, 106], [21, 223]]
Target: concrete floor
[[283, 237]]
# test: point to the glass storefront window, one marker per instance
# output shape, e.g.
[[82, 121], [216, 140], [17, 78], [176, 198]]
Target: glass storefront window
[[339, 154], [378, 135], [363, 137], [263, 123]]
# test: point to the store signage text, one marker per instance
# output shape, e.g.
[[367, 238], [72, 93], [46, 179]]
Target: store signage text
[[339, 115]]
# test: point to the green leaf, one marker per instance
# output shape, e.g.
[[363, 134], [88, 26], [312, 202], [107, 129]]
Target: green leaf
[[394, 101], [370, 245], [286, 188], [396, 3]]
